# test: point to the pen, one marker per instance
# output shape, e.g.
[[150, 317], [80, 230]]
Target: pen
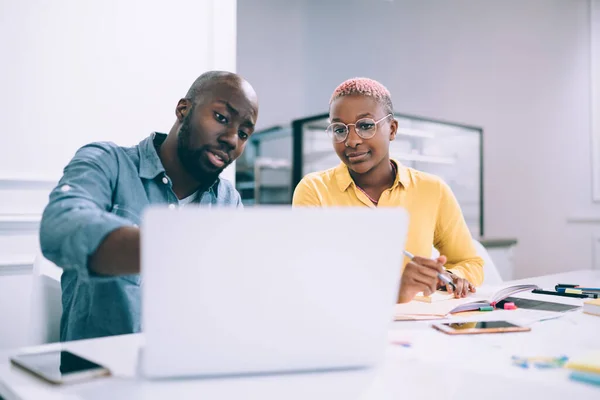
[[442, 277], [565, 285], [578, 296], [562, 287], [584, 289], [579, 291]]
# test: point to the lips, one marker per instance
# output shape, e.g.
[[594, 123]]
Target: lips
[[218, 158], [221, 155], [356, 156]]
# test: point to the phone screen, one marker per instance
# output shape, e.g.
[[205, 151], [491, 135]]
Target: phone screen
[[55, 365], [481, 325]]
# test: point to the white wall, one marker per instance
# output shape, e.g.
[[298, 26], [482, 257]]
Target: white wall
[[272, 39], [79, 71], [595, 76], [518, 68]]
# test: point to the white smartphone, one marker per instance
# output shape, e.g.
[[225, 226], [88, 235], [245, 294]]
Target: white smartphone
[[59, 367], [469, 328]]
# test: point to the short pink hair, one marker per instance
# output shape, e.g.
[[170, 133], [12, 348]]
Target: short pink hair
[[364, 87]]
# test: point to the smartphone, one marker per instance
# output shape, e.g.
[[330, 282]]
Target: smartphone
[[59, 367], [470, 328]]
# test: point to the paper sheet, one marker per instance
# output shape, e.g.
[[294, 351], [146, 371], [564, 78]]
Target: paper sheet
[[408, 317], [440, 308], [435, 297]]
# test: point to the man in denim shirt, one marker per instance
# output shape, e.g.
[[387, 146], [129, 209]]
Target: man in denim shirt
[[90, 226]]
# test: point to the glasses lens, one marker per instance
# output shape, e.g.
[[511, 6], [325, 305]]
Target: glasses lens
[[366, 127], [338, 132]]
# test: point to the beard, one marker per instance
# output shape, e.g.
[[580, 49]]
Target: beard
[[192, 159]]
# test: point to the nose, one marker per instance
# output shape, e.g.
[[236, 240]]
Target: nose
[[230, 139], [353, 139]]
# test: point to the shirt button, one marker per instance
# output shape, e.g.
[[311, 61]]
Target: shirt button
[[171, 206], [165, 180]]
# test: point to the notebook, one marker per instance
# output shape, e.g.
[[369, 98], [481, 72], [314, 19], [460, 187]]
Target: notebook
[[589, 362], [437, 296], [592, 307], [441, 304]]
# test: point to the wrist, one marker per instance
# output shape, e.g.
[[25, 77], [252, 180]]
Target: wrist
[[405, 294]]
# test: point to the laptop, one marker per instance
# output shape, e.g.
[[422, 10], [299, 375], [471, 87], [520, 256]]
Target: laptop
[[262, 290]]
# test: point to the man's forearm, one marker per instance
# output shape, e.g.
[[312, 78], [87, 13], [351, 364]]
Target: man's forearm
[[118, 254]]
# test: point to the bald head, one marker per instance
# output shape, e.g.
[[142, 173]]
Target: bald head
[[209, 81]]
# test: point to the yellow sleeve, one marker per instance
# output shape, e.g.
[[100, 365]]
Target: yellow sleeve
[[306, 195], [453, 239]]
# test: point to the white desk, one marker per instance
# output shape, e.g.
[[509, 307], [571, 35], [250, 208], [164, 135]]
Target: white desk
[[467, 367]]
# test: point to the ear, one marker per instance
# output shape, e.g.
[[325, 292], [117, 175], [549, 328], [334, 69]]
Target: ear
[[393, 129], [183, 108]]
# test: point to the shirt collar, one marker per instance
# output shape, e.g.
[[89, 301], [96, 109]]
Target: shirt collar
[[344, 180], [150, 164], [402, 175]]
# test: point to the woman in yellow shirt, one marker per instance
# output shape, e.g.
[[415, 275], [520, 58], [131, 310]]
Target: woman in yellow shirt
[[362, 127]]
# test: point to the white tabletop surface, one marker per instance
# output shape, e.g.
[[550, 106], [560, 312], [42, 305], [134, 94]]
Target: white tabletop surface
[[435, 364]]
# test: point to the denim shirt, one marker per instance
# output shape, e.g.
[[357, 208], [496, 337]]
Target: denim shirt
[[103, 188]]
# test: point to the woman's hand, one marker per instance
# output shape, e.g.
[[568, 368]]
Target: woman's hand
[[463, 286], [420, 275]]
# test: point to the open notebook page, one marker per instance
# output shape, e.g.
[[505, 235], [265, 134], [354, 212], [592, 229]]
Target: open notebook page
[[492, 294], [483, 297], [438, 308]]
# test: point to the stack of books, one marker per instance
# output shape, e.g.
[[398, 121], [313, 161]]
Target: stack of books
[[592, 307]]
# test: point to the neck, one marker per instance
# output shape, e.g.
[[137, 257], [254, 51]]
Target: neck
[[183, 183], [381, 176]]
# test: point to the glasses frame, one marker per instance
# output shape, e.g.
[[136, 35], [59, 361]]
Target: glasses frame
[[333, 137]]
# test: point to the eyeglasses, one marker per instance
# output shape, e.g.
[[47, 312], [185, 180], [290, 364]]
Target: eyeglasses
[[364, 127]]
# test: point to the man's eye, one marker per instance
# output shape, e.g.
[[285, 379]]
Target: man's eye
[[243, 135], [221, 118]]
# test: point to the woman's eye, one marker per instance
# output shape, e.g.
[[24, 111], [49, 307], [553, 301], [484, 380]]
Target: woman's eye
[[366, 126], [243, 135], [221, 118]]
